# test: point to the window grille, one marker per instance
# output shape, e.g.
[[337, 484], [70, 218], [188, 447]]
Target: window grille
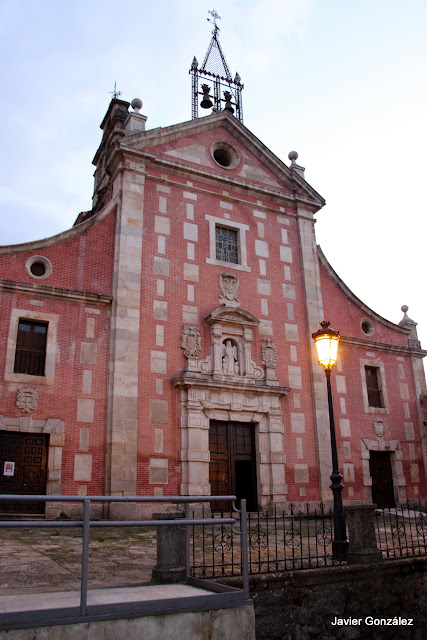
[[226, 245], [373, 386], [30, 354]]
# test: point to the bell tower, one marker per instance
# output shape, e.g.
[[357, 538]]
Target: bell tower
[[213, 80]]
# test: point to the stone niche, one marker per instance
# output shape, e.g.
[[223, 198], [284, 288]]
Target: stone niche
[[227, 384], [230, 358]]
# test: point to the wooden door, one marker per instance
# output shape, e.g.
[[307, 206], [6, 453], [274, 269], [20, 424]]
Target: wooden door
[[232, 469], [382, 479], [28, 452]]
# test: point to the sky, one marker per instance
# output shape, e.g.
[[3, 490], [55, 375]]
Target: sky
[[342, 83]]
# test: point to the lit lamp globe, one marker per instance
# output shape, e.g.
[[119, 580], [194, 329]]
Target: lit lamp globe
[[326, 341]]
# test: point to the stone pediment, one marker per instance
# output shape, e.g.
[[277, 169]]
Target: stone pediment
[[232, 315], [190, 144]]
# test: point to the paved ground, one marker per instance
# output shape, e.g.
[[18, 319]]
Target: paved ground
[[59, 600], [42, 560]]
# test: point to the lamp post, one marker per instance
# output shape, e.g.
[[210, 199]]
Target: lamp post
[[326, 341]]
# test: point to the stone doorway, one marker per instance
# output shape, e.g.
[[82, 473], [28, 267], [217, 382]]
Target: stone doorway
[[382, 479], [23, 458], [232, 468]]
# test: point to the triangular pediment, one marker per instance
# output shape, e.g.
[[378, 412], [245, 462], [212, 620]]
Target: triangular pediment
[[190, 144]]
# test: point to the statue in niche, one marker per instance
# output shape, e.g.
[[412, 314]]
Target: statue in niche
[[191, 342], [230, 365], [268, 352], [229, 285]]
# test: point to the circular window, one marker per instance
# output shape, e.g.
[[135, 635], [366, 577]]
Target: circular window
[[225, 155], [367, 327], [38, 267]]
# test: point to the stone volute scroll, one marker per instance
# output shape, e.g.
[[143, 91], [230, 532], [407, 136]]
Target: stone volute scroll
[[229, 285]]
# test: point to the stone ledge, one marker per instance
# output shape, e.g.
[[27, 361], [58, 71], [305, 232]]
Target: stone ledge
[[203, 382], [45, 291]]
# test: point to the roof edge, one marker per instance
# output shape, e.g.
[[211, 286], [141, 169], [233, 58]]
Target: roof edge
[[76, 230], [354, 299]]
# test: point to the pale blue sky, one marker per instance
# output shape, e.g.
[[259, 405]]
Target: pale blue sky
[[342, 82]]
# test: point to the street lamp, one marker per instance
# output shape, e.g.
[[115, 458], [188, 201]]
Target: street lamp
[[326, 341]]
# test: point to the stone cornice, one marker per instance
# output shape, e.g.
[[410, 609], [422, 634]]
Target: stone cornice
[[205, 382], [381, 346], [205, 174], [44, 291], [230, 197], [289, 199]]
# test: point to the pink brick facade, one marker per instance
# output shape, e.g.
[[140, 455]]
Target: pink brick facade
[[141, 312]]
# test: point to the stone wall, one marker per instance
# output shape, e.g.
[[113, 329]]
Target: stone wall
[[216, 624], [302, 605]]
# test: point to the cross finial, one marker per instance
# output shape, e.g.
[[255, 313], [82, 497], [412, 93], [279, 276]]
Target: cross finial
[[115, 93], [215, 17]]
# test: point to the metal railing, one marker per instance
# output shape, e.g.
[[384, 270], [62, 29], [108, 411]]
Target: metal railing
[[402, 531], [288, 540], [30, 360], [226, 596]]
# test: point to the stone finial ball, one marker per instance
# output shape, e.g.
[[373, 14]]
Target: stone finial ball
[[136, 104], [293, 155], [404, 308]]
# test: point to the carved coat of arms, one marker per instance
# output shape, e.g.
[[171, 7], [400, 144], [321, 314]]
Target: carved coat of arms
[[27, 398], [268, 353], [229, 285], [191, 342], [379, 428]]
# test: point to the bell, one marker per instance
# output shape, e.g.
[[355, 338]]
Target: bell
[[206, 103], [228, 105]]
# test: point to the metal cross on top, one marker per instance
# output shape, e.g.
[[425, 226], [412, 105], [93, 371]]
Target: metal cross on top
[[215, 17], [215, 75], [115, 93]]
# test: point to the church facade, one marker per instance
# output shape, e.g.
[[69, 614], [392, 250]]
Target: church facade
[[163, 344]]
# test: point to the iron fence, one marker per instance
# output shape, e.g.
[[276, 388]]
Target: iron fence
[[288, 540], [402, 531]]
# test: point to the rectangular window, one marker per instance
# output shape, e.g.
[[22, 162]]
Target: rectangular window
[[373, 387], [30, 353], [226, 241]]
